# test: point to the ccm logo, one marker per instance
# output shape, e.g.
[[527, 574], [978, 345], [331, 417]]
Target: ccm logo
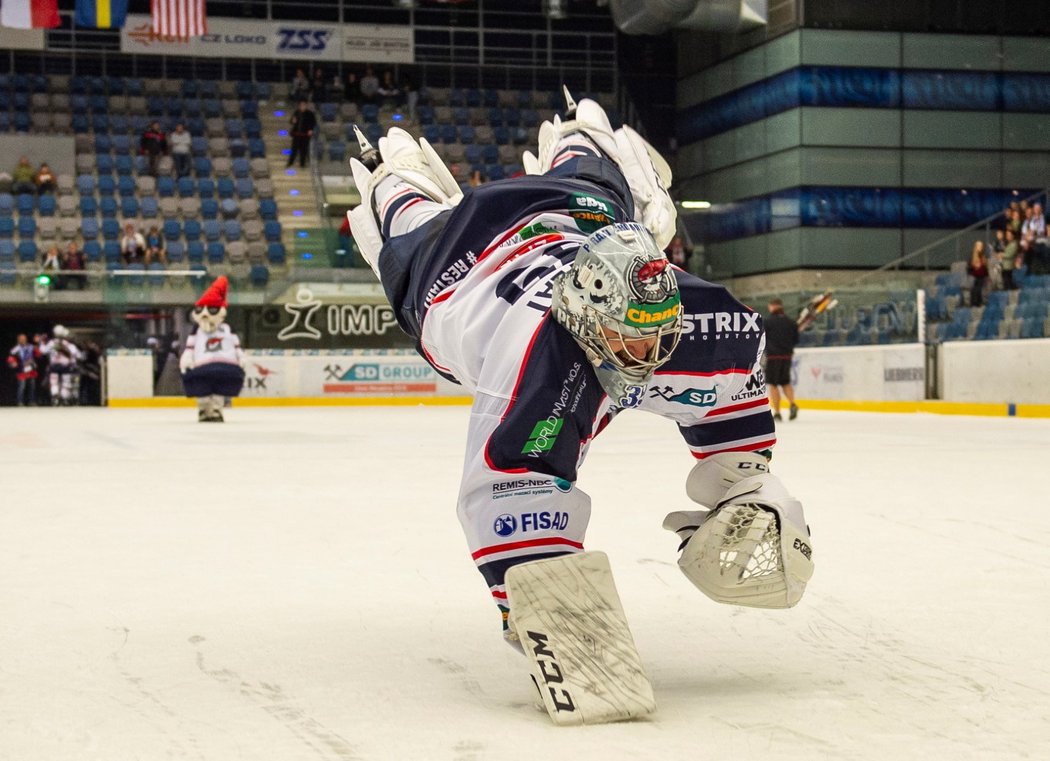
[[803, 548]]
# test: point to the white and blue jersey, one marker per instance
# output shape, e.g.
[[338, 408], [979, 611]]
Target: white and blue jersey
[[473, 286]]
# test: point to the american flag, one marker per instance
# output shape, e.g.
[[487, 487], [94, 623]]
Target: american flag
[[181, 19]]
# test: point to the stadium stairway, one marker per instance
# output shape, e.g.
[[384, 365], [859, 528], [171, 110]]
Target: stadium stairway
[[297, 202]]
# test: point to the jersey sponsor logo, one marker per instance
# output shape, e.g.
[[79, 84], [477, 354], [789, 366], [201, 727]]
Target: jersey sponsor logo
[[641, 315], [754, 388], [523, 486], [507, 524], [543, 436], [290, 39], [654, 290], [693, 397], [591, 213], [720, 323], [451, 275]]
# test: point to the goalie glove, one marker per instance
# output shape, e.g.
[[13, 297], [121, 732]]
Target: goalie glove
[[752, 549], [399, 156], [645, 170]]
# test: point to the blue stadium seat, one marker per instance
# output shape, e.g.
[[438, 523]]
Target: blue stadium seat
[[272, 231], [448, 133], [467, 134], [7, 204], [275, 253], [206, 188], [111, 253], [107, 186], [231, 230], [234, 128], [25, 203], [86, 184], [118, 125], [202, 167], [267, 208], [209, 208], [99, 122], [245, 90], [489, 98], [238, 148], [432, 133], [27, 251], [216, 253], [212, 230], [129, 206], [256, 148], [104, 163], [457, 97], [472, 153], [490, 154], [425, 115], [512, 117], [165, 186], [110, 229], [137, 280], [229, 208], [252, 128], [7, 250], [88, 206], [155, 106], [259, 275], [191, 230], [108, 206], [126, 186], [241, 168], [186, 187], [225, 187], [26, 227], [370, 113], [176, 251], [79, 123], [7, 227], [473, 97], [8, 272], [212, 108], [337, 150], [103, 143], [461, 116], [125, 166], [199, 145], [195, 252], [245, 187], [172, 230], [329, 112], [148, 207], [496, 117], [89, 228], [373, 132]]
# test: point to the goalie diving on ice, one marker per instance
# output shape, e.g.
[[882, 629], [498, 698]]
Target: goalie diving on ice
[[548, 297]]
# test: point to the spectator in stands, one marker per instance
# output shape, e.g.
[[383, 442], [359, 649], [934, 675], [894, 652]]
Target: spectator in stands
[[335, 88], [181, 142], [303, 123], [1015, 222], [153, 144], [318, 86], [1035, 225], [73, 261], [352, 88], [45, 180], [300, 89], [781, 339], [389, 91], [23, 178], [408, 87], [369, 86], [978, 270], [51, 263], [1008, 258], [23, 359], [476, 178], [132, 245], [678, 252], [155, 251]]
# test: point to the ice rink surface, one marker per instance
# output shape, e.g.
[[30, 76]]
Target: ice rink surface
[[293, 584]]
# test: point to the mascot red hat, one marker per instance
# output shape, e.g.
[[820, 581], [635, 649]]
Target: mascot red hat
[[215, 296]]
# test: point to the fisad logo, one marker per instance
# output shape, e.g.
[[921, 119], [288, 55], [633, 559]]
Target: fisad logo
[[290, 39], [505, 525]]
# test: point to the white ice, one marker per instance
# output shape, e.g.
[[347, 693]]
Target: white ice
[[293, 584]]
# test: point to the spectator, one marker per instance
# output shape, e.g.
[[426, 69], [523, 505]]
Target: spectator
[[155, 251], [335, 88], [73, 261], [300, 89], [303, 122], [1035, 225], [51, 263], [1009, 259], [476, 178], [1015, 222], [352, 88], [318, 87], [23, 360], [411, 96], [23, 178], [132, 245], [181, 143], [389, 90], [978, 270], [781, 339], [369, 86], [45, 180], [153, 145], [678, 253]]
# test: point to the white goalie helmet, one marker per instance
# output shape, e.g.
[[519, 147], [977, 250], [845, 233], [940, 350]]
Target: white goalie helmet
[[620, 301]]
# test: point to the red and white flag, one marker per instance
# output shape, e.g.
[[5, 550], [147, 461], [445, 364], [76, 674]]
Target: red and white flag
[[180, 19], [29, 14]]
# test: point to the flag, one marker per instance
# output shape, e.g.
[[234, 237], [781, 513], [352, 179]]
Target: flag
[[180, 19], [29, 14], [101, 14]]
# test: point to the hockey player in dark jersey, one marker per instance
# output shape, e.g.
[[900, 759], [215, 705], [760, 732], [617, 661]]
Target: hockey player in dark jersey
[[549, 298]]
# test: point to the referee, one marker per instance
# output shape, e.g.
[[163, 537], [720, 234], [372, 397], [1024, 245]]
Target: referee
[[781, 339]]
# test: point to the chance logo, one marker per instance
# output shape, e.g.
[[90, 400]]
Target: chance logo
[[505, 524], [543, 436]]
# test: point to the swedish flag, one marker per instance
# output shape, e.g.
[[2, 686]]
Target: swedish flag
[[101, 14]]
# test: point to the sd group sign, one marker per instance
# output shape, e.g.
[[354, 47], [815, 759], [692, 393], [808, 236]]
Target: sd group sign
[[303, 40]]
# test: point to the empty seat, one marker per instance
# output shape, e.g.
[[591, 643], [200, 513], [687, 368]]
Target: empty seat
[[275, 252], [129, 206], [253, 230], [176, 251], [231, 229], [148, 207], [224, 187], [259, 275], [67, 206], [237, 251], [256, 252], [27, 251], [259, 168], [229, 208], [222, 166], [267, 208], [244, 187], [147, 186], [209, 208], [107, 205], [216, 253], [191, 230], [212, 230], [190, 207], [249, 209], [272, 231]]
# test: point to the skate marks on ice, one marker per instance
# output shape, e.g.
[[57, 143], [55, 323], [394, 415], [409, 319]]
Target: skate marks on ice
[[271, 699]]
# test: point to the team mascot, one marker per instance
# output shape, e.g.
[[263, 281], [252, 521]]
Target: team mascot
[[211, 365]]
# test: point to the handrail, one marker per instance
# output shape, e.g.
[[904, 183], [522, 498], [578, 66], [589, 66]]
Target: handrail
[[940, 241]]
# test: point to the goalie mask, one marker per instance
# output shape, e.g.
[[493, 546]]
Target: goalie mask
[[620, 301]]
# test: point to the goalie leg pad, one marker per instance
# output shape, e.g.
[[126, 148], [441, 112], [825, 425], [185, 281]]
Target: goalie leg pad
[[753, 550], [571, 625]]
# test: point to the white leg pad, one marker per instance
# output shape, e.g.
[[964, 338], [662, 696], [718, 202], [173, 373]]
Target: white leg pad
[[572, 627]]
